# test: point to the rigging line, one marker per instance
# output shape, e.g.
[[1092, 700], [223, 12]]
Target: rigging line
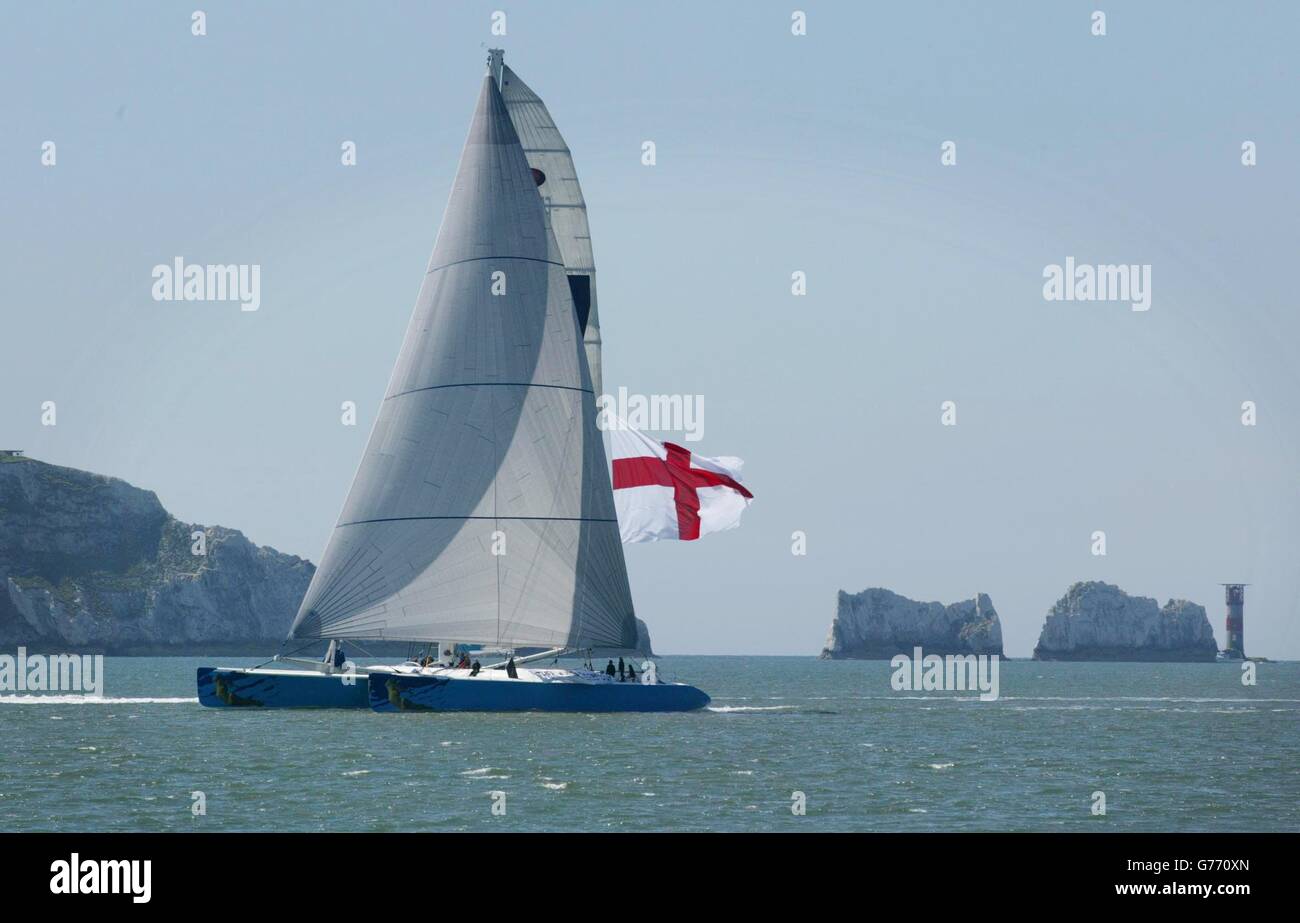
[[362, 522], [497, 522], [584, 533], [364, 652], [272, 660], [283, 654]]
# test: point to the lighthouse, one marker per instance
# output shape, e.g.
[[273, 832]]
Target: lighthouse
[[1234, 594]]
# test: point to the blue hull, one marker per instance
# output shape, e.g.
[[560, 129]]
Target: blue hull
[[232, 688], [391, 692]]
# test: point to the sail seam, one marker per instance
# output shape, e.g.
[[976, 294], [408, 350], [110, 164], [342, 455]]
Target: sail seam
[[478, 259], [490, 384]]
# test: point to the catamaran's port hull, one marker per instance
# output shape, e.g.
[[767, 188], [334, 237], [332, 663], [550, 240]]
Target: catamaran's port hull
[[223, 687], [391, 692]]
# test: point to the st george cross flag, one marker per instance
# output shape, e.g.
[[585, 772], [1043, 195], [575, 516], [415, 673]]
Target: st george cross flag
[[662, 491]]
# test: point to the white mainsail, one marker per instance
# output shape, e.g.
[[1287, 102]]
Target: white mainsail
[[548, 154], [482, 509]]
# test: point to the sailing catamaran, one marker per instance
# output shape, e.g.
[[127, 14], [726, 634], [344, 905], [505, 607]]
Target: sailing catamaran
[[482, 512]]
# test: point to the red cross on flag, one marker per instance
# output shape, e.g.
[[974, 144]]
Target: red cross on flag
[[662, 491]]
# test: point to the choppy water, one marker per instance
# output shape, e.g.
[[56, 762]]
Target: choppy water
[[1173, 746]]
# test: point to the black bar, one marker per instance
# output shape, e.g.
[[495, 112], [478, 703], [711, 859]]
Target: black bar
[[220, 873]]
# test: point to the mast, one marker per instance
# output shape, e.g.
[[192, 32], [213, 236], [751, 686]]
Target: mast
[[496, 61]]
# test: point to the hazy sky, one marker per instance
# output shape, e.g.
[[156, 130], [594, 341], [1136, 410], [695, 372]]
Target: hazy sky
[[775, 153]]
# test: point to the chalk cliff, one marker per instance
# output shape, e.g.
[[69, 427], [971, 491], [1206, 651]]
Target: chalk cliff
[[877, 624], [91, 563], [643, 638], [1098, 621]]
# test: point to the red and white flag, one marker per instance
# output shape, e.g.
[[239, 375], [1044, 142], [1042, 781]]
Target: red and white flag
[[662, 491]]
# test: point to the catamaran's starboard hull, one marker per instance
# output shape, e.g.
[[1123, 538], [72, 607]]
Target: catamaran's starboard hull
[[234, 688], [391, 692]]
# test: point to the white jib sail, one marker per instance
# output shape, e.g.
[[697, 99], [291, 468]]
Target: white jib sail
[[482, 509]]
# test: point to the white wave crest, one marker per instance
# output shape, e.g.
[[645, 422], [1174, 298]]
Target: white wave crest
[[734, 708], [487, 772], [91, 700]]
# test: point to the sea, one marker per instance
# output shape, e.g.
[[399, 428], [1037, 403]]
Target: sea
[[788, 744]]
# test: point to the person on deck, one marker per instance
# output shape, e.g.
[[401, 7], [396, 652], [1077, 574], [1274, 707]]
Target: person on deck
[[631, 673], [473, 670], [339, 657], [609, 669], [510, 669], [464, 662], [622, 671]]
